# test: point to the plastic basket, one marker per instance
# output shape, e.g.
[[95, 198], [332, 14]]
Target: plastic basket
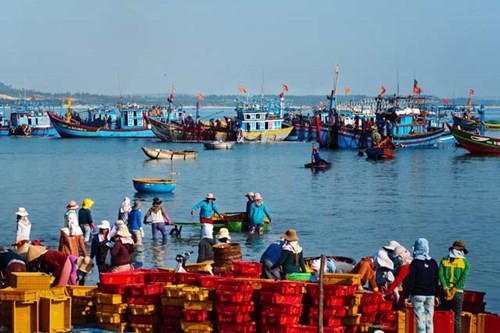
[[235, 285], [279, 319], [81, 291], [143, 299], [136, 309], [25, 316], [345, 279], [292, 309], [276, 298], [233, 317], [173, 290], [195, 315], [195, 305], [143, 289], [32, 281], [111, 288], [236, 307], [247, 267], [247, 327], [143, 328], [136, 276], [233, 296], [144, 319], [55, 314], [160, 276], [9, 294], [284, 287], [299, 276], [186, 325], [171, 312], [110, 318], [103, 298]]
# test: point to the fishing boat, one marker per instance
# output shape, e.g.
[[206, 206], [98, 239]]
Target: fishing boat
[[385, 149], [165, 154], [218, 145], [30, 123], [118, 122], [4, 124], [476, 143], [154, 185], [492, 124], [235, 221]]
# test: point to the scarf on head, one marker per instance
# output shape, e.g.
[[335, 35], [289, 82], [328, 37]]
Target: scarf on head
[[456, 254], [125, 206], [127, 240], [421, 249], [293, 247]]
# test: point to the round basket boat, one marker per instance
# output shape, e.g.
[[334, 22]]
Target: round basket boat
[[154, 185]]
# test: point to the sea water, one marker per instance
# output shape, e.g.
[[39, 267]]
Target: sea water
[[353, 209]]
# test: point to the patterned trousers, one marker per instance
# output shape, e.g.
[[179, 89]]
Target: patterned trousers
[[423, 307]]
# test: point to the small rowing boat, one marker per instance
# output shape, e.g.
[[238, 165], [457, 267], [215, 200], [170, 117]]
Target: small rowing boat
[[476, 143], [165, 154], [385, 149], [154, 185], [218, 145], [235, 221], [320, 166]]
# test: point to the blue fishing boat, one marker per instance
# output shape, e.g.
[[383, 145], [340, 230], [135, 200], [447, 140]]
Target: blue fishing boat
[[4, 124], [128, 122], [27, 118], [154, 185]]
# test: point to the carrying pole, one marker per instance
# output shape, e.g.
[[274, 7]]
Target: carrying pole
[[320, 287]]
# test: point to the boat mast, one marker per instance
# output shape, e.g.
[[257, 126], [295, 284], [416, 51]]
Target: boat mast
[[333, 111]]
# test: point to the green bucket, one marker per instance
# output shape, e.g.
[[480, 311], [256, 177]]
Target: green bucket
[[299, 276]]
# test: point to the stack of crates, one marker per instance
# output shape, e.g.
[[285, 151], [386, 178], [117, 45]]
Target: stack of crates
[[337, 300], [247, 269], [234, 306], [55, 310], [83, 304], [474, 301], [197, 310], [143, 300], [487, 322], [20, 309], [281, 305], [370, 305], [172, 304], [444, 322]]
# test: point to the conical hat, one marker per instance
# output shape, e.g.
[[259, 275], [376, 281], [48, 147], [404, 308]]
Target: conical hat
[[34, 252]]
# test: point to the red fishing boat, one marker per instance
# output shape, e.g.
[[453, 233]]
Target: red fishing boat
[[476, 143]]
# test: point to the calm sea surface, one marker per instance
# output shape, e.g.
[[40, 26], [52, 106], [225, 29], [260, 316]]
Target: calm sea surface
[[353, 209]]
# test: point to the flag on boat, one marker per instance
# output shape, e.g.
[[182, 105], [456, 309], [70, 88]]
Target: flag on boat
[[471, 92], [382, 91], [284, 87], [416, 88], [32, 97], [347, 90], [201, 97], [243, 90], [445, 101]]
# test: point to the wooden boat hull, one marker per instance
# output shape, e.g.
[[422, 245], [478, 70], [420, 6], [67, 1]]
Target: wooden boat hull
[[235, 222], [475, 143], [216, 145], [175, 133], [268, 135], [154, 185], [321, 166], [492, 126], [72, 130], [164, 154], [380, 153]]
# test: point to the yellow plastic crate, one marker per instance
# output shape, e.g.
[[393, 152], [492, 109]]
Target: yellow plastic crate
[[173, 301], [196, 294], [110, 318], [120, 327], [172, 290], [112, 308], [354, 299], [54, 292], [143, 328], [103, 298], [83, 301], [469, 322], [55, 314], [136, 309], [345, 279], [29, 280], [25, 316], [198, 305], [351, 320], [10, 294], [204, 326], [82, 291], [353, 310]]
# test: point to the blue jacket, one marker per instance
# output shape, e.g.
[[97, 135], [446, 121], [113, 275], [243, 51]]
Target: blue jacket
[[135, 219], [273, 252], [207, 208], [257, 213]]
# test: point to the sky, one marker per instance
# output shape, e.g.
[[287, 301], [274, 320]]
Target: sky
[[213, 47]]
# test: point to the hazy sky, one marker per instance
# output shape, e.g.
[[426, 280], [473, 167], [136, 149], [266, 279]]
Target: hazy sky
[[214, 46]]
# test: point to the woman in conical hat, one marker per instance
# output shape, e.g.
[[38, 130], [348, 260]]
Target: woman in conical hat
[[51, 262]]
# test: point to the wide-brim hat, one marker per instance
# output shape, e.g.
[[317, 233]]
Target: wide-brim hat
[[21, 211], [290, 235], [123, 232], [34, 252], [210, 196], [72, 205], [85, 264], [459, 245], [223, 233], [383, 260], [249, 194], [392, 245], [104, 225], [87, 203]]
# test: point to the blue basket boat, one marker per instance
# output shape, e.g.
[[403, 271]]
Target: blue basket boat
[[154, 185]]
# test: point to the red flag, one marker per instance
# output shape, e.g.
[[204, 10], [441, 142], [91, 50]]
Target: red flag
[[32, 97], [445, 101], [471, 92], [416, 88], [243, 90], [201, 96], [284, 87], [347, 90], [382, 91]]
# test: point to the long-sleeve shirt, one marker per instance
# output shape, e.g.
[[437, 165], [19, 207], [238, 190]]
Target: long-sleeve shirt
[[423, 279], [291, 262], [257, 213], [453, 273], [121, 253], [85, 216], [207, 208], [135, 219], [205, 250], [366, 269], [403, 272], [273, 251], [52, 262]]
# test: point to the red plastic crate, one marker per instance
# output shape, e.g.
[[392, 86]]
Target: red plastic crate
[[160, 276], [135, 276], [188, 278], [171, 312], [368, 308], [331, 301], [268, 328], [331, 290], [314, 329], [111, 288], [474, 307], [143, 289], [247, 267], [236, 307], [389, 316], [385, 306], [444, 321], [209, 281], [292, 309], [143, 319], [247, 276], [279, 318], [232, 317], [473, 296], [171, 321], [246, 327], [283, 287], [327, 321], [232, 296], [370, 317], [371, 297], [276, 298], [143, 300], [488, 322], [195, 315], [235, 285], [337, 311]]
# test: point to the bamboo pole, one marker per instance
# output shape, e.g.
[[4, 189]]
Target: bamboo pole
[[320, 287]]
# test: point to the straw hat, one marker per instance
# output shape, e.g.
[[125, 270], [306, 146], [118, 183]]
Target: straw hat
[[104, 225], [459, 245], [85, 264], [21, 211], [290, 235], [223, 233], [72, 205], [249, 195], [383, 260], [391, 246], [123, 231], [210, 196], [34, 252]]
